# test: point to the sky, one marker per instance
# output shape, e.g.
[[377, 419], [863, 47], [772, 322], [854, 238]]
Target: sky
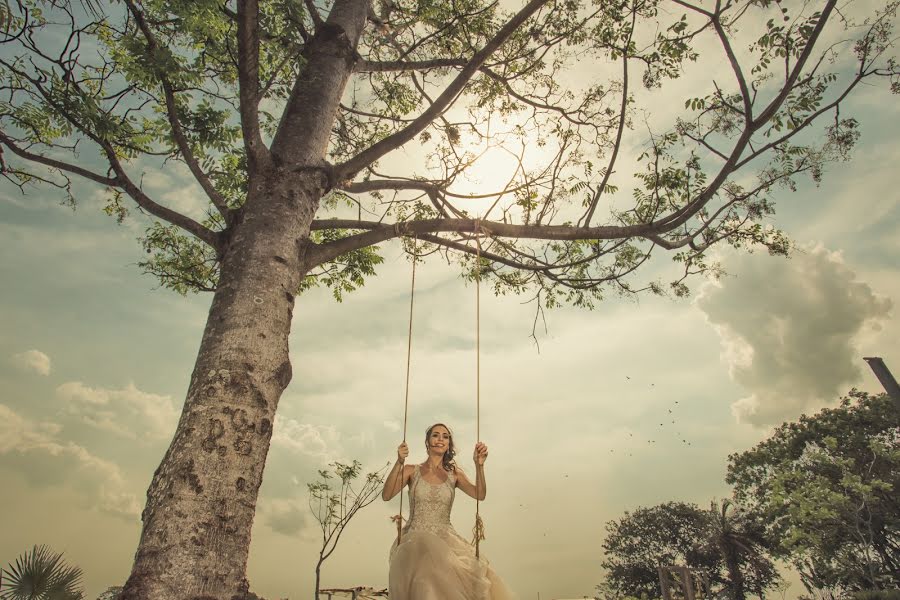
[[632, 404]]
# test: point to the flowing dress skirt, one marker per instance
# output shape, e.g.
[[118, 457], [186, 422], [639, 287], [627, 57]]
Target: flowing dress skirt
[[432, 561]]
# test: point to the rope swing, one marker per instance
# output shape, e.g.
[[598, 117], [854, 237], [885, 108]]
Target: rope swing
[[478, 529], [412, 298]]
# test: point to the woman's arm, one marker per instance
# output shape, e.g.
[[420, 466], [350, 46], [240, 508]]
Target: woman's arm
[[479, 491], [399, 475]]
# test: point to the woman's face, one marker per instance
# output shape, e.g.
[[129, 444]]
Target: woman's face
[[439, 440]]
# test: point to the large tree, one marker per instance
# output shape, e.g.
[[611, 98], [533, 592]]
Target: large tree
[[286, 114], [826, 486]]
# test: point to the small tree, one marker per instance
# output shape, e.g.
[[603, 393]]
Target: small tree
[[667, 534], [41, 574], [333, 509], [727, 545], [739, 538]]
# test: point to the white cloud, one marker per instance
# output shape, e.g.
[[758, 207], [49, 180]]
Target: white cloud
[[321, 441], [789, 329], [129, 412], [32, 360], [66, 462]]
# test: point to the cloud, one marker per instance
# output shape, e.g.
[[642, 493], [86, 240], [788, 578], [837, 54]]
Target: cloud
[[788, 330], [288, 516], [32, 360], [320, 441], [50, 461], [128, 412]]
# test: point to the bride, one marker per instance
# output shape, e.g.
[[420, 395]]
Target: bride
[[432, 561]]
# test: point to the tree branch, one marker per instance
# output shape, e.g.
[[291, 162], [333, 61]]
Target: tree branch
[[123, 181], [167, 214], [735, 67], [248, 80], [776, 103], [362, 187], [57, 164], [314, 14], [380, 232], [681, 216], [171, 111], [365, 66], [487, 255], [835, 104], [348, 169], [622, 112]]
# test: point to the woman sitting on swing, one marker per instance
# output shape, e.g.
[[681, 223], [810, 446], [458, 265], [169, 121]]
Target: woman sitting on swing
[[430, 561]]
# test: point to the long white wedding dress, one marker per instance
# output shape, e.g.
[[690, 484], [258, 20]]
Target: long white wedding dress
[[432, 561]]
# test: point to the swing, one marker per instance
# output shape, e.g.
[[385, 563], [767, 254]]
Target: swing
[[478, 528]]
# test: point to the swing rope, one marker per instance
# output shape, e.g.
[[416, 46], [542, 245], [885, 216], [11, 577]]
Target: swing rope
[[478, 529], [412, 297]]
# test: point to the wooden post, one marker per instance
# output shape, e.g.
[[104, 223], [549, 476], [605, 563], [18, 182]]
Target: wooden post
[[664, 582], [687, 581], [885, 377]]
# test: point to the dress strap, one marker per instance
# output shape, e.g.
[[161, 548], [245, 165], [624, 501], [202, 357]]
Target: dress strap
[[451, 477]]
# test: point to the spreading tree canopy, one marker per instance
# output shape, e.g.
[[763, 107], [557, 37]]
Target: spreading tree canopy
[[290, 117]]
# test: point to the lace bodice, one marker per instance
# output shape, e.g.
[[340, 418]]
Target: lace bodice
[[430, 503]]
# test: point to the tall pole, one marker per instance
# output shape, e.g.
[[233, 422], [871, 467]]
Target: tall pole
[[885, 377]]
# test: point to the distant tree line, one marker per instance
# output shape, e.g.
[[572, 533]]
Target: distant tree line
[[821, 494]]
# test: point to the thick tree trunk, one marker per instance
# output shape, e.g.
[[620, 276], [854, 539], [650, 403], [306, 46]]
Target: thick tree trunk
[[202, 499], [201, 502]]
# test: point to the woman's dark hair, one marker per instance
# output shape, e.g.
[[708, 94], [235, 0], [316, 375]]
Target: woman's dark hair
[[448, 463]]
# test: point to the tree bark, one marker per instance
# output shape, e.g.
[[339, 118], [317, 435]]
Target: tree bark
[[202, 499], [201, 502]]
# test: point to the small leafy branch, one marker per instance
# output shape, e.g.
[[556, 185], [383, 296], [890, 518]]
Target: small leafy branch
[[334, 507]]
